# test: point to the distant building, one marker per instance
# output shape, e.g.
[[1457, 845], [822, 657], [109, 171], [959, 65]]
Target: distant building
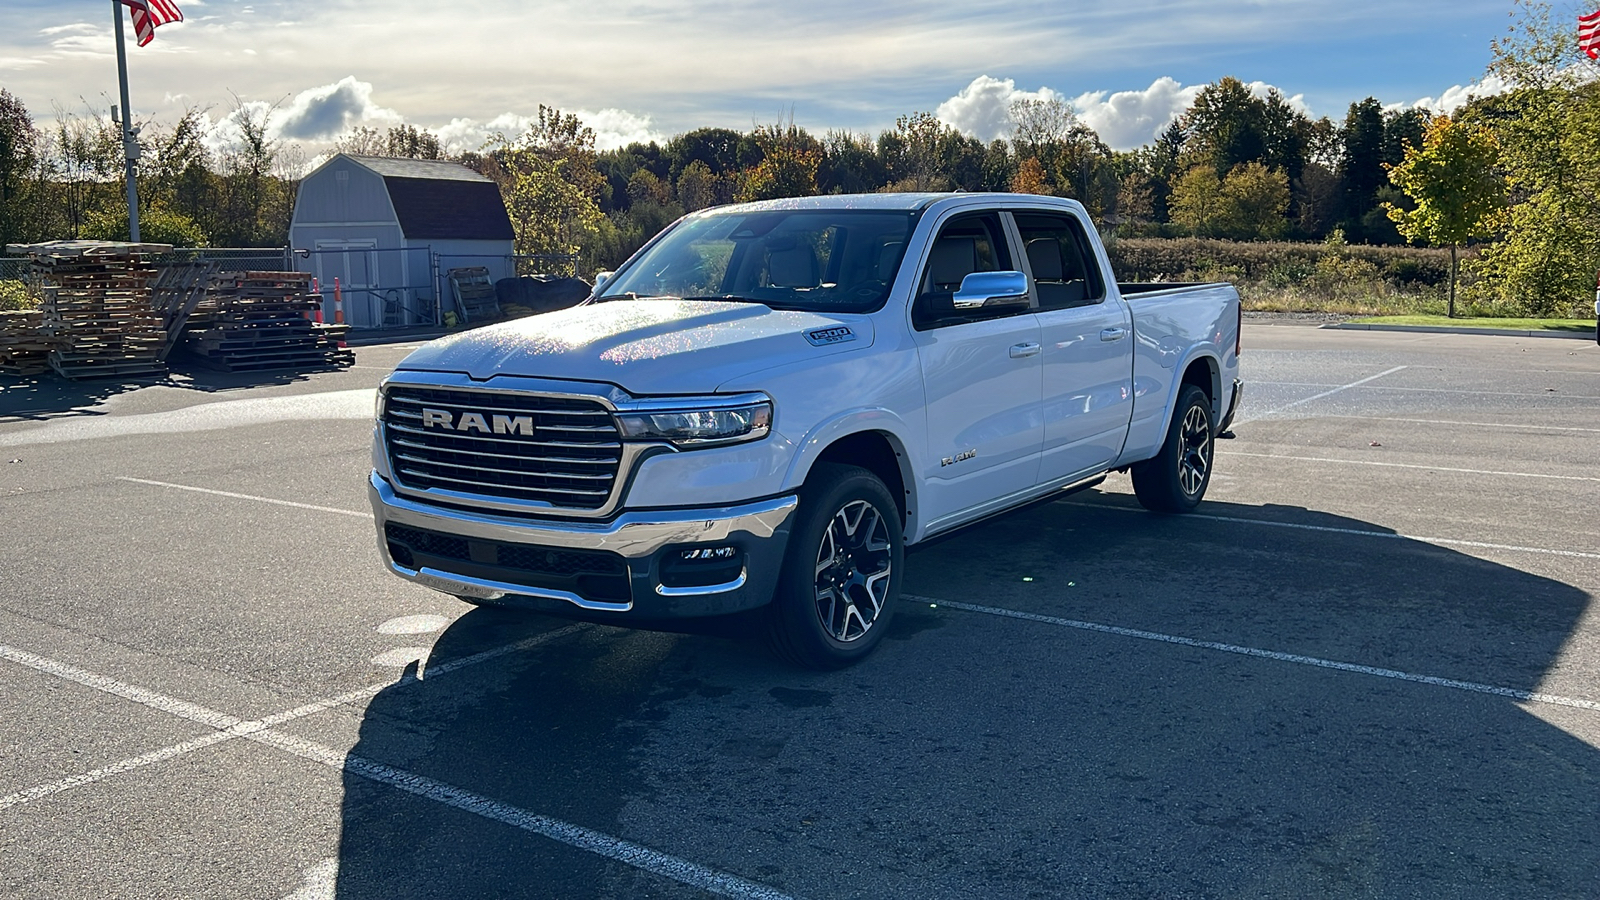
[[380, 225]]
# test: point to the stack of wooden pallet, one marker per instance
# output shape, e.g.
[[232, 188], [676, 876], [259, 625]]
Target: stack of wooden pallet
[[254, 321], [24, 350], [97, 307], [474, 294]]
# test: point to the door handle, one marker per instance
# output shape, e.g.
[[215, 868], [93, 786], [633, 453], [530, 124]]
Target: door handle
[[1112, 334], [1023, 351]]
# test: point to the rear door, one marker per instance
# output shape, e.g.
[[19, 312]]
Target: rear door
[[1087, 347], [982, 375]]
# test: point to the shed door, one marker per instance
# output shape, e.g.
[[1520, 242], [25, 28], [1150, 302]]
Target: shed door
[[355, 264]]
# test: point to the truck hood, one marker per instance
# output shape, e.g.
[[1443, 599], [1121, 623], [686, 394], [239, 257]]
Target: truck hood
[[646, 346]]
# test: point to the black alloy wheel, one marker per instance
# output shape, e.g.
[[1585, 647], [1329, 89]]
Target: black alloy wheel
[[1175, 479], [841, 576]]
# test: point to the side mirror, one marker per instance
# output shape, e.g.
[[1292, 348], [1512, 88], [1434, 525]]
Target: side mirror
[[600, 279], [991, 289]]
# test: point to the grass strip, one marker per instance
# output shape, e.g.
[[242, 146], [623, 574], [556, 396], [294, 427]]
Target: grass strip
[[1568, 325]]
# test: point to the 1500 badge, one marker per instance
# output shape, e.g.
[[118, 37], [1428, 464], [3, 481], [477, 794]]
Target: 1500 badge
[[837, 334], [963, 456]]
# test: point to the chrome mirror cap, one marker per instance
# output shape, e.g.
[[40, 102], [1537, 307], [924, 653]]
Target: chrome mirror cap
[[981, 289]]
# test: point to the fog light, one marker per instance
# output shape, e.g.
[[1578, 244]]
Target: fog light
[[683, 567]]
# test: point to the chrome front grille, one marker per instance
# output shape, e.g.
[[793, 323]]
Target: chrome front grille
[[511, 446]]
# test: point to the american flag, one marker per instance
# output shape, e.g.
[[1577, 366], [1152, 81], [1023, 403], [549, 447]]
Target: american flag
[[147, 14], [1589, 34]]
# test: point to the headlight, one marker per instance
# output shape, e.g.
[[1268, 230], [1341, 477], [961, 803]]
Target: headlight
[[700, 426]]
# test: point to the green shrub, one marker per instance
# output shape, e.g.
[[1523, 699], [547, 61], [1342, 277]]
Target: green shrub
[[1155, 259], [15, 295]]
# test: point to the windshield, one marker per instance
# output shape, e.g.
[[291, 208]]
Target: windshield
[[821, 260]]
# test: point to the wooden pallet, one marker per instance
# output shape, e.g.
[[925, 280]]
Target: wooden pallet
[[24, 348], [98, 311], [475, 294], [258, 321]]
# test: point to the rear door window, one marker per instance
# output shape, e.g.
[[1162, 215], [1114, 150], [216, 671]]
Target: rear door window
[[1060, 260]]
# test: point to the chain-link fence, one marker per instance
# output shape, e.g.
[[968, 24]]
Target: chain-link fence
[[564, 264], [13, 268], [233, 259], [377, 287]]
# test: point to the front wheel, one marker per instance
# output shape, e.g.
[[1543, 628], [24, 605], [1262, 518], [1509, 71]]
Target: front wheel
[[841, 573], [1176, 478]]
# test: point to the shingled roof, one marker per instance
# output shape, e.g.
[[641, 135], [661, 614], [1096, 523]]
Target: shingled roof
[[441, 200]]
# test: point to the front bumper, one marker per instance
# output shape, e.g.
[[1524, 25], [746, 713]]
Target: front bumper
[[643, 541]]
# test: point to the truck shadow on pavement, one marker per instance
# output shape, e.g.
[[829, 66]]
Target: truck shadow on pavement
[[982, 756], [49, 396]]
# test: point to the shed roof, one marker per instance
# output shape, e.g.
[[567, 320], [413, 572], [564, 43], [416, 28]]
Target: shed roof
[[439, 170], [437, 200], [449, 210]]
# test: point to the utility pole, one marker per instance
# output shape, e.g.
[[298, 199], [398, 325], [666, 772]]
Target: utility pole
[[130, 135]]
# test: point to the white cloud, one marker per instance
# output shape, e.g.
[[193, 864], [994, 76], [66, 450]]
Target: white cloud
[[613, 128], [1128, 119], [74, 28], [983, 108], [1124, 119], [1456, 96], [321, 113]]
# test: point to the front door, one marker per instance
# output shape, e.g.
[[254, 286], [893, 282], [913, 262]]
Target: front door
[[982, 376]]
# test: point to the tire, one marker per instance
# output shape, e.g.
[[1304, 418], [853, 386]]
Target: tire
[[1175, 480], [841, 573]]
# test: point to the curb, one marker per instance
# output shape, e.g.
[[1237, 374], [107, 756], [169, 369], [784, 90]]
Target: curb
[[1431, 329]]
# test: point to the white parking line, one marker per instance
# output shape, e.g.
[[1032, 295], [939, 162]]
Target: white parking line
[[1395, 465], [1241, 520], [229, 728], [1525, 427], [258, 731], [1327, 393], [596, 842], [275, 502], [1452, 683]]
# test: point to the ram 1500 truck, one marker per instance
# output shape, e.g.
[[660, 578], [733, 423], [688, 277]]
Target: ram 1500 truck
[[762, 408]]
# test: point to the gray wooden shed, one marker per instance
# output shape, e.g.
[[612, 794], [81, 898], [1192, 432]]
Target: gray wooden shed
[[389, 230]]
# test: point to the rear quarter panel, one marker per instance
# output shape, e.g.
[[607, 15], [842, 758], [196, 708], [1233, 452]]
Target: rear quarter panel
[[1172, 330]]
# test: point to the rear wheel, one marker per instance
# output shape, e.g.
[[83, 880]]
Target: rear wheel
[[1175, 480], [841, 573]]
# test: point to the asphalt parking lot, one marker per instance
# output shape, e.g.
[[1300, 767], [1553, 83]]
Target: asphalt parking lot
[[1368, 667]]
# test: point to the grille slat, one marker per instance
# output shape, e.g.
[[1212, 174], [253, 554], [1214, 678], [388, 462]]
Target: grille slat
[[480, 468], [481, 437], [570, 460], [498, 488]]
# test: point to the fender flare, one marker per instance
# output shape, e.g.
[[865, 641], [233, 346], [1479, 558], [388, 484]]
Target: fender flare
[[857, 421], [1214, 364]]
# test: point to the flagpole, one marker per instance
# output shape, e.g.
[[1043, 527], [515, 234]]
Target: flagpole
[[130, 142]]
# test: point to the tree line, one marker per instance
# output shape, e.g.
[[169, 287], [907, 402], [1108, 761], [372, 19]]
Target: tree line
[[1235, 165]]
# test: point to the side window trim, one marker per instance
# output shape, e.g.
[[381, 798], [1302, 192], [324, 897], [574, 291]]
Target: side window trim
[[1019, 255]]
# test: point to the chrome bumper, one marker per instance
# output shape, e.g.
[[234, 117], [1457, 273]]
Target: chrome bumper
[[760, 530]]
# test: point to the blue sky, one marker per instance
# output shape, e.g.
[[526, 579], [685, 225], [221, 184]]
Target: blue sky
[[653, 68]]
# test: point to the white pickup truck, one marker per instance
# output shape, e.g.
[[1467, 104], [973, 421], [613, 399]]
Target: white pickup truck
[[761, 409]]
